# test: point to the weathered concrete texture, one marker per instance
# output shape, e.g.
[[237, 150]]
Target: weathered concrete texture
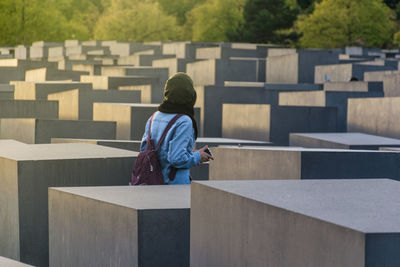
[[4, 262], [76, 104], [293, 86], [229, 50], [39, 131], [160, 73], [342, 141], [133, 145], [108, 82], [6, 91], [28, 109], [124, 49], [344, 72], [14, 69], [352, 223], [52, 74], [217, 71], [217, 141], [184, 50], [269, 163], [173, 65], [119, 226], [332, 97], [27, 172], [377, 116], [390, 149], [298, 67], [200, 172], [210, 99], [274, 124], [40, 90], [130, 118]]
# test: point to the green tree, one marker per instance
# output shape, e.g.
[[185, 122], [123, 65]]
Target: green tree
[[135, 20], [178, 8], [264, 20], [26, 21], [339, 23], [216, 20]]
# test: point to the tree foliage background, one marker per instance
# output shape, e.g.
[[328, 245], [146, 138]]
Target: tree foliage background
[[300, 23]]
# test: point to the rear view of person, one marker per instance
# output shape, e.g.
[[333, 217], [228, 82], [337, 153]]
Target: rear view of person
[[175, 152]]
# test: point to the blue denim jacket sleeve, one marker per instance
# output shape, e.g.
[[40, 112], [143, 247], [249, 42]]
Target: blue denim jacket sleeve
[[178, 154]]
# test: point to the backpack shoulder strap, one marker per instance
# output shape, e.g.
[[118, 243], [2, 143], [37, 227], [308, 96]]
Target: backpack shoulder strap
[[171, 122]]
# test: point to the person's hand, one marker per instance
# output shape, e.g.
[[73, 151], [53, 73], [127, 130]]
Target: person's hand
[[204, 155]]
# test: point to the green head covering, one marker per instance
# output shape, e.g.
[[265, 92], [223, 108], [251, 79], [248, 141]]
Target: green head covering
[[179, 90], [180, 97]]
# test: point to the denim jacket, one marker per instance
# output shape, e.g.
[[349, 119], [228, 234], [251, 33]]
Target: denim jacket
[[176, 150]]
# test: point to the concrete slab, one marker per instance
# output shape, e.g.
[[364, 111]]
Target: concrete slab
[[298, 67], [52, 74], [11, 263], [130, 118], [120, 226], [269, 163], [133, 145], [337, 99], [78, 105], [39, 131], [28, 109], [342, 141], [108, 82], [24, 184], [295, 223], [390, 149], [274, 124], [6, 91], [115, 71], [344, 72], [217, 71], [377, 116], [14, 69], [40, 90], [173, 65]]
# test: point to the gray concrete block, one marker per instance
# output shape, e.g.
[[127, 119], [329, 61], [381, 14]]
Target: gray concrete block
[[78, 105], [390, 149], [11, 263], [130, 118], [27, 172], [52, 74], [160, 73], [28, 109], [6, 91], [173, 65], [342, 141], [268, 163], [352, 223], [377, 116], [184, 50], [14, 69], [217, 71], [119, 226], [108, 82], [298, 67], [39, 131], [275, 123], [41, 90], [344, 72], [200, 172], [133, 145], [332, 96], [211, 98]]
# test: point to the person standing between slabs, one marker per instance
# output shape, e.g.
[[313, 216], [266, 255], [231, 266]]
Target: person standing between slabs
[[176, 153]]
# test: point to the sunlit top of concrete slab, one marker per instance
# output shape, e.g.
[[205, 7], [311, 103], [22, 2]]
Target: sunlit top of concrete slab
[[61, 151], [4, 262], [302, 149], [352, 138], [368, 206], [133, 104], [137, 197]]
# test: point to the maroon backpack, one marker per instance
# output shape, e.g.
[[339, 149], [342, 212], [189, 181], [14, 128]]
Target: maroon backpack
[[147, 168]]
